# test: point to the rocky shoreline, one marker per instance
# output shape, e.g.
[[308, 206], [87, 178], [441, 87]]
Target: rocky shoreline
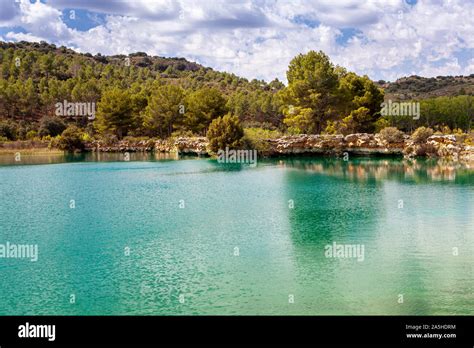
[[361, 144]]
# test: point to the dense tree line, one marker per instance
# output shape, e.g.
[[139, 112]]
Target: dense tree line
[[444, 114], [140, 95]]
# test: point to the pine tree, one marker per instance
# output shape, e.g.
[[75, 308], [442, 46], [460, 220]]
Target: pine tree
[[114, 114]]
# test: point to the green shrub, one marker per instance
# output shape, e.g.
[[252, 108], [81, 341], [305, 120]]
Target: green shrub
[[54, 142], [182, 133], [256, 138], [86, 137], [380, 124], [71, 139], [391, 135], [51, 126], [31, 134], [446, 130], [225, 132], [469, 141], [23, 127], [129, 138], [421, 134], [8, 130]]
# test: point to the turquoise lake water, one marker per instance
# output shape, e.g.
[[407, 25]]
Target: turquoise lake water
[[195, 237]]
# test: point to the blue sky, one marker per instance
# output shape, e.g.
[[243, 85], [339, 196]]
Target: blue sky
[[257, 38]]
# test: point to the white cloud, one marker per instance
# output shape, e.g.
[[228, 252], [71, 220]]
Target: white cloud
[[11, 36], [257, 39]]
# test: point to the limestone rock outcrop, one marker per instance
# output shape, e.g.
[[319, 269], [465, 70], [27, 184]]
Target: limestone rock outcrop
[[450, 147]]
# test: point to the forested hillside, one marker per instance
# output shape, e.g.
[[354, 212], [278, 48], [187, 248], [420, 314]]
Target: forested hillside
[[36, 76], [417, 87]]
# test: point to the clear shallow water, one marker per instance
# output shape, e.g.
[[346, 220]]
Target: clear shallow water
[[191, 251]]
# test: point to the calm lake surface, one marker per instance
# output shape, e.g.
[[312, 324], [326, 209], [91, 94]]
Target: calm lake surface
[[157, 236]]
